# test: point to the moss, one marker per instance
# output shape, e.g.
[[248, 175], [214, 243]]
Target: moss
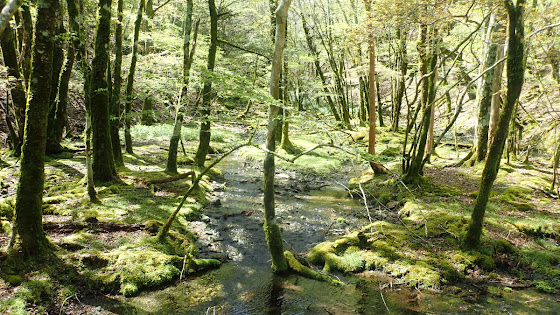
[[517, 197], [13, 280], [546, 286], [7, 206], [135, 268], [485, 262], [307, 272], [422, 275], [6, 226]]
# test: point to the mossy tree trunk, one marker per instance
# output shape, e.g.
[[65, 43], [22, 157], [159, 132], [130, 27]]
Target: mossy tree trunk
[[117, 83], [19, 97], [27, 39], [271, 228], [188, 54], [399, 85], [54, 147], [428, 61], [515, 78], [103, 165], [204, 135], [485, 90], [371, 85], [8, 10], [28, 236], [130, 81]]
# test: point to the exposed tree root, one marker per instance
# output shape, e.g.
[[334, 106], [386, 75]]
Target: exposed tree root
[[105, 226], [302, 270]]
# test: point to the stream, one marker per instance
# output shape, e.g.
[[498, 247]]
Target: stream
[[310, 210]]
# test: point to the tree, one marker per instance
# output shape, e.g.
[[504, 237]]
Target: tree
[[104, 169], [7, 12], [515, 74], [19, 97], [271, 228], [204, 135], [130, 81], [117, 82], [28, 236], [188, 54], [371, 86]]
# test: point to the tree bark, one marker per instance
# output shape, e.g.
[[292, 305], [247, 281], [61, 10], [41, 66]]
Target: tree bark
[[28, 236], [204, 135], [104, 169], [130, 81], [7, 12], [371, 87], [54, 147], [485, 90], [19, 97], [515, 78], [188, 55], [117, 83], [271, 228], [401, 68]]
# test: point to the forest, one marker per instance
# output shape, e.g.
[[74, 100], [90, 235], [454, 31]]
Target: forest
[[279, 157]]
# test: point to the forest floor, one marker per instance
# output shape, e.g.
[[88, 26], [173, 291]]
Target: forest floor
[[413, 238]]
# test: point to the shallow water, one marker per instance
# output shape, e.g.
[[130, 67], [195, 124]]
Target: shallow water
[[310, 210]]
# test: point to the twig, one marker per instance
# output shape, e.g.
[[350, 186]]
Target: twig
[[383, 299]]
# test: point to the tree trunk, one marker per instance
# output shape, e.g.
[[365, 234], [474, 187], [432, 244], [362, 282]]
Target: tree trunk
[[401, 68], [204, 135], [28, 236], [188, 55], [19, 97], [148, 117], [54, 147], [371, 87], [27, 42], [496, 98], [485, 90], [271, 228], [103, 165], [428, 61], [318, 69], [515, 78], [61, 114], [117, 83], [130, 81]]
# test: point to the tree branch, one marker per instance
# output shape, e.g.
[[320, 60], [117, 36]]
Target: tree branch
[[7, 12], [221, 41]]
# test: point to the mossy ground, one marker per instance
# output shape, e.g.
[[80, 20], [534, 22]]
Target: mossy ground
[[115, 261], [417, 233]]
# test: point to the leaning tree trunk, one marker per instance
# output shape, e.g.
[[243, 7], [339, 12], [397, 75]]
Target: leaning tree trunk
[[188, 54], [103, 165], [117, 82], [204, 136], [130, 81], [28, 236], [515, 78]]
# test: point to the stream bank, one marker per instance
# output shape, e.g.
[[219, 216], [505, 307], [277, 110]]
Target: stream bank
[[310, 210]]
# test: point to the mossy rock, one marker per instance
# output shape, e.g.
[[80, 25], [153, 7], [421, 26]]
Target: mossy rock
[[7, 206], [13, 280]]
